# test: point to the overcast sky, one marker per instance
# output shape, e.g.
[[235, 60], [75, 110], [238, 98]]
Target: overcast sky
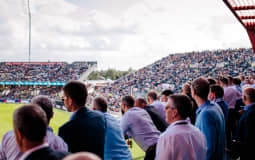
[[117, 33]]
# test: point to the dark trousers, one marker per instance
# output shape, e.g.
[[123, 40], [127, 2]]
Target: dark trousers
[[231, 126], [151, 153]]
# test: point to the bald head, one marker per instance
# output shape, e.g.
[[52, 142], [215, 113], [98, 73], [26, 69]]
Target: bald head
[[140, 102], [82, 156], [249, 96]]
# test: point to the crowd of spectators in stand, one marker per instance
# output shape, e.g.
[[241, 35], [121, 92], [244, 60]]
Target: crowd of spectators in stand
[[209, 115], [42, 72], [171, 72], [38, 72], [175, 70], [27, 92]]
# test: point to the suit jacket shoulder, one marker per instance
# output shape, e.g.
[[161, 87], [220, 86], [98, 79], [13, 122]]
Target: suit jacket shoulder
[[47, 153], [85, 132]]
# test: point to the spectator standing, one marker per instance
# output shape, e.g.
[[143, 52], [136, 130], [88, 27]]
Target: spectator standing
[[152, 98], [137, 124], [85, 131], [245, 140], [30, 127], [216, 95], [181, 140], [9, 148], [187, 91], [231, 95], [165, 95], [209, 120], [158, 121], [115, 144]]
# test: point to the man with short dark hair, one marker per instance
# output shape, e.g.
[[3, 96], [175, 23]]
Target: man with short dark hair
[[209, 119], [137, 124], [152, 99], [181, 140], [115, 145], [158, 121], [244, 141], [30, 126], [9, 148], [211, 81], [231, 96], [85, 131], [165, 94], [216, 95]]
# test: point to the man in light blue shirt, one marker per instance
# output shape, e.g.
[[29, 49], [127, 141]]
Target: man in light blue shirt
[[115, 145], [210, 120]]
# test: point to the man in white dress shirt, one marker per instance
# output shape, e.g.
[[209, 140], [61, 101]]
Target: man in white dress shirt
[[181, 140]]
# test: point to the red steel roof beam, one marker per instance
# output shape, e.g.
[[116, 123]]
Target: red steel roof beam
[[247, 17], [238, 8], [249, 24]]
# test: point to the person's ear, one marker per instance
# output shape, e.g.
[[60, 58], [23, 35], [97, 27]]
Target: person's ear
[[70, 101], [244, 98], [175, 113], [19, 138]]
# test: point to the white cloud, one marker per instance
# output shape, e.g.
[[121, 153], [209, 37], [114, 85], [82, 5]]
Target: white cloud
[[118, 34]]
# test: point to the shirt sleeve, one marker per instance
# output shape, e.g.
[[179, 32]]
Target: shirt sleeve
[[125, 125], [207, 127], [2, 152], [163, 150], [60, 145]]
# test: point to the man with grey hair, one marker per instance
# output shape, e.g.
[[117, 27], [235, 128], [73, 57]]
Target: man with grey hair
[[9, 147], [30, 127]]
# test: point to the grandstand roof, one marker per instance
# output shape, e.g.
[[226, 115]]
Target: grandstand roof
[[244, 11]]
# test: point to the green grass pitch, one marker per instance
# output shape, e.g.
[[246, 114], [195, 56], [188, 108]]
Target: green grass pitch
[[59, 118]]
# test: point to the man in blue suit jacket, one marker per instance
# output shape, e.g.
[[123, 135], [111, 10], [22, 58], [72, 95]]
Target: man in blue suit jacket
[[209, 119], [85, 131]]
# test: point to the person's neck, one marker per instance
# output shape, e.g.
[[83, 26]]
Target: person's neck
[[76, 108], [29, 145], [177, 119], [248, 103], [200, 101]]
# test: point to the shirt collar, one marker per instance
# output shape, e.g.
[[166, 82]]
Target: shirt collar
[[178, 122], [246, 108], [28, 152], [219, 100], [200, 108], [72, 117], [50, 129]]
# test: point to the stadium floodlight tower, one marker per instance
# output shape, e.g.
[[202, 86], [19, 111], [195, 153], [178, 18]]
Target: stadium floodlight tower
[[244, 11]]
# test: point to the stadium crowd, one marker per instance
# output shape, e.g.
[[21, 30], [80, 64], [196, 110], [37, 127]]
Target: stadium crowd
[[175, 70], [209, 113], [215, 134], [42, 71]]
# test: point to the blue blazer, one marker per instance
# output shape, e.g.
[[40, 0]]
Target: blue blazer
[[85, 132], [46, 153]]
